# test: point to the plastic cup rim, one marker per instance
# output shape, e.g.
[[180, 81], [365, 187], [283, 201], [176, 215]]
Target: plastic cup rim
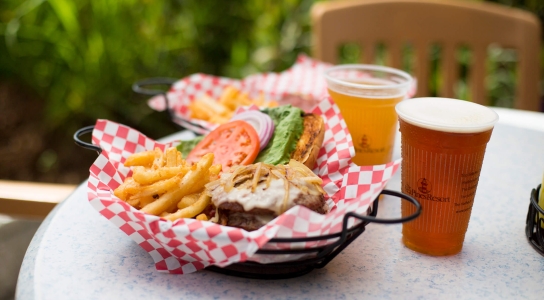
[[398, 72], [445, 127]]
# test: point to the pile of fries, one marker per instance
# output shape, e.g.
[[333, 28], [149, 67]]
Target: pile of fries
[[164, 184], [220, 111]]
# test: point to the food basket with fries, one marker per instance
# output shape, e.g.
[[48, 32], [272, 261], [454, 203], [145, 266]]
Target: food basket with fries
[[201, 102], [292, 244]]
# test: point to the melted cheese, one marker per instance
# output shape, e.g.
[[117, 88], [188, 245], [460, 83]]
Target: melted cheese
[[267, 198], [273, 188]]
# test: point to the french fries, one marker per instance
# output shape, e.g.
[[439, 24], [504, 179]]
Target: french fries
[[202, 217], [144, 175], [144, 159], [192, 210], [192, 182], [221, 111], [163, 184], [188, 200], [127, 188]]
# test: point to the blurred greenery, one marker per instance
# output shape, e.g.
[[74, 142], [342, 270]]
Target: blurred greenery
[[80, 58]]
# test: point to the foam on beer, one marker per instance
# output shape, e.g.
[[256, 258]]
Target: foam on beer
[[449, 115]]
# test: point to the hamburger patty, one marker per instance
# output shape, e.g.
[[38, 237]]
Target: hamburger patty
[[233, 214], [313, 202], [247, 202], [243, 220]]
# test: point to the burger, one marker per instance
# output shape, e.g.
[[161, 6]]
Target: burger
[[297, 135], [249, 197]]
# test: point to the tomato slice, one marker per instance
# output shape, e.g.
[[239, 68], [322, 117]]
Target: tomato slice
[[233, 143]]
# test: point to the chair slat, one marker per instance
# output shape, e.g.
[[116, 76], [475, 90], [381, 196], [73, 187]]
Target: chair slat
[[449, 70], [477, 74], [528, 89], [369, 52], [394, 57], [422, 67]]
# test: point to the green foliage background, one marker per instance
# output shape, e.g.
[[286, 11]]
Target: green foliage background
[[80, 58]]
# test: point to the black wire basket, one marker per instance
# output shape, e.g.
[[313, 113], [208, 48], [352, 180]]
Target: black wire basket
[[328, 246], [142, 87], [534, 228]]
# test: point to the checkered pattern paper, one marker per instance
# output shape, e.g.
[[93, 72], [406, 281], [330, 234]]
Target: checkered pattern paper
[[304, 80], [188, 245]]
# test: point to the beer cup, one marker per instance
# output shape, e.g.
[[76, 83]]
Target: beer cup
[[366, 96], [443, 143]]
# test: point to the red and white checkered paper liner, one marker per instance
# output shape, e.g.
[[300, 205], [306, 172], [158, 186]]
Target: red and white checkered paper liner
[[305, 79], [188, 245]]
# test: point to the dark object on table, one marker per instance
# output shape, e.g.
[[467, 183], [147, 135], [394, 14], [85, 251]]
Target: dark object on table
[[534, 228]]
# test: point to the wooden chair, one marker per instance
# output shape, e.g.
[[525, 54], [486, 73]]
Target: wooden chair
[[30, 199], [450, 23]]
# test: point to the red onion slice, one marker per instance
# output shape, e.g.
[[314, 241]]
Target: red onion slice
[[262, 123]]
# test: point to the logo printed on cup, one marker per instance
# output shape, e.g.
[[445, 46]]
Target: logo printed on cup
[[423, 191], [365, 142], [424, 186], [365, 146]]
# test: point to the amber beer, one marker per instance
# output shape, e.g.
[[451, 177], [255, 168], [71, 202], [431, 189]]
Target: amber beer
[[443, 146], [366, 96]]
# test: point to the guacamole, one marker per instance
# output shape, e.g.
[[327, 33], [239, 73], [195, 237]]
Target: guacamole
[[288, 129]]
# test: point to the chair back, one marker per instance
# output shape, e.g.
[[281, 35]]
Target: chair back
[[422, 23]]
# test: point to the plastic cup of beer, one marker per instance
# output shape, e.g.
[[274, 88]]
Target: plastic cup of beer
[[366, 96], [443, 143]]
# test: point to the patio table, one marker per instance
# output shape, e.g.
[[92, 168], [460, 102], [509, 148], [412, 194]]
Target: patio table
[[78, 254]]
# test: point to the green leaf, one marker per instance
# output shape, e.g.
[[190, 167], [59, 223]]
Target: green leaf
[[67, 14]]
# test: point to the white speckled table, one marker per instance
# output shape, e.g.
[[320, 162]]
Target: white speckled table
[[78, 254]]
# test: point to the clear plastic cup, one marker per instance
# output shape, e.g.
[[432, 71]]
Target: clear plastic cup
[[366, 96]]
